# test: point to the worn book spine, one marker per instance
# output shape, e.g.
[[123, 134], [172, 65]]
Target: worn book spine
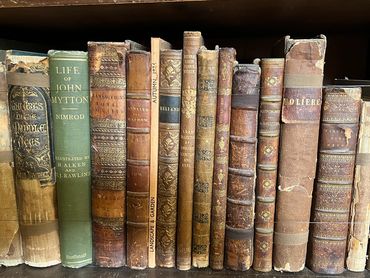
[[107, 66], [30, 121], [157, 44], [333, 188], [242, 167], [192, 42], [360, 204], [204, 154], [138, 155], [69, 86], [272, 72], [301, 108], [10, 240], [221, 160], [368, 255], [169, 136]]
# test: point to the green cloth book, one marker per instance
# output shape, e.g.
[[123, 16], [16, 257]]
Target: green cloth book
[[69, 87]]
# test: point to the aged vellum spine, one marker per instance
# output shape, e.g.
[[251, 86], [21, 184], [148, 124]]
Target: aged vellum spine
[[360, 206], [69, 87], [192, 43], [10, 240], [333, 187], [157, 44], [242, 167], [221, 160], [303, 76], [169, 135], [30, 118], [138, 157], [272, 71], [107, 65]]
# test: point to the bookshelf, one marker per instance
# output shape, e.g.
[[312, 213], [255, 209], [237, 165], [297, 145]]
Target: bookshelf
[[251, 26]]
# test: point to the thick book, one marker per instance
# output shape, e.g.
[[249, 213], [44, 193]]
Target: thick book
[[303, 76], [30, 121], [221, 160], [334, 179], [157, 44], [107, 66], [69, 88], [242, 167], [10, 240], [360, 203], [168, 163], [272, 72], [192, 42], [138, 157], [204, 154]]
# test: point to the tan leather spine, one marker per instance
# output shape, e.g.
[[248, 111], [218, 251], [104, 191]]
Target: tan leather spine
[[221, 161], [242, 167], [10, 240], [192, 43], [301, 108], [138, 155], [333, 186], [360, 205], [272, 72], [107, 63]]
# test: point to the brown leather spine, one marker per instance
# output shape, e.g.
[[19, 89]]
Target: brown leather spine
[[192, 43], [298, 150], [360, 204], [272, 72], [169, 138], [221, 161], [107, 63], [10, 240], [204, 154], [242, 167], [138, 155], [332, 195]]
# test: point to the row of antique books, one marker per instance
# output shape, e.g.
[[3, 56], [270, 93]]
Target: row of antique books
[[174, 158]]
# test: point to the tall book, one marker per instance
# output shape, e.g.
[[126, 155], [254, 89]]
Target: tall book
[[69, 86], [30, 121], [138, 157], [272, 72], [107, 66], [10, 240], [301, 108], [204, 154], [368, 255], [157, 44], [333, 187], [221, 160], [242, 167], [169, 137], [192, 42], [360, 204]]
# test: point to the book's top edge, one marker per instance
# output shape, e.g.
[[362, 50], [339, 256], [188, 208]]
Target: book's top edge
[[15, 52], [193, 33], [349, 86], [319, 37], [67, 54], [247, 66], [106, 42], [139, 51], [177, 51], [272, 60]]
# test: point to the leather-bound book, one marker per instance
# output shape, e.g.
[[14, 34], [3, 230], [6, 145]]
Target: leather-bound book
[[221, 160], [242, 167], [138, 155], [272, 72], [192, 42], [69, 86], [10, 240], [303, 75], [360, 204], [368, 255], [334, 179], [169, 136], [204, 154], [107, 66], [30, 120], [157, 44]]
